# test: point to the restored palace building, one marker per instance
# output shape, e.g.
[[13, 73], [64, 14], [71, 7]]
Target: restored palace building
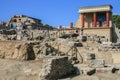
[[25, 21], [96, 20]]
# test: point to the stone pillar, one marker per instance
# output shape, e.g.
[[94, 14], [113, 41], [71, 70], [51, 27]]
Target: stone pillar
[[94, 19], [107, 18], [82, 19]]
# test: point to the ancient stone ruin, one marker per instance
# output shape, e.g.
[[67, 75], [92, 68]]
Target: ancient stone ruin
[[83, 52], [44, 56]]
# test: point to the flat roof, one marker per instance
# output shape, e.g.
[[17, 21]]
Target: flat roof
[[101, 8]]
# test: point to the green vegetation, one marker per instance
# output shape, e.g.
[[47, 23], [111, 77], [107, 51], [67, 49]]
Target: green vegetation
[[47, 26], [43, 26], [116, 20]]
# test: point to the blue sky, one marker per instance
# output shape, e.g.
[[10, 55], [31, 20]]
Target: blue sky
[[53, 12]]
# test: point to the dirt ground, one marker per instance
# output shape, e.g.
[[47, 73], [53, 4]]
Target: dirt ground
[[97, 76], [19, 70]]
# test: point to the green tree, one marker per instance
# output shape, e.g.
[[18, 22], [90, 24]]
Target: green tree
[[116, 20], [47, 26]]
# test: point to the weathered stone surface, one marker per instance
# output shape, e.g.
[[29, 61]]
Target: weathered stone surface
[[16, 50], [97, 63], [56, 67], [76, 44], [27, 48]]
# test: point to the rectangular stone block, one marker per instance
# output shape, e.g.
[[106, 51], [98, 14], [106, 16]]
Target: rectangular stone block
[[97, 63]]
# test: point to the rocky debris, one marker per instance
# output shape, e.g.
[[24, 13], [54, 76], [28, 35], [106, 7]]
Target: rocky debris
[[109, 46], [8, 32], [68, 42], [68, 48], [21, 35], [39, 38], [8, 35], [56, 68], [96, 38], [44, 50]]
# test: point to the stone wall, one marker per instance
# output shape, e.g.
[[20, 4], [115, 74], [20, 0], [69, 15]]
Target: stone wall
[[107, 32], [55, 68], [102, 31]]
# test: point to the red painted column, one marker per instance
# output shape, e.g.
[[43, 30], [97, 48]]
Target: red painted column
[[94, 19], [82, 19], [107, 18], [71, 24]]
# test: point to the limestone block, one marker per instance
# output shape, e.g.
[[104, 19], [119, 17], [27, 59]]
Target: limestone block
[[56, 68], [97, 63], [19, 37]]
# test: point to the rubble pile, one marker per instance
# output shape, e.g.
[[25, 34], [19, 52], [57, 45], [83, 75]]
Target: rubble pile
[[22, 35], [92, 37], [109, 46], [8, 35], [8, 32]]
